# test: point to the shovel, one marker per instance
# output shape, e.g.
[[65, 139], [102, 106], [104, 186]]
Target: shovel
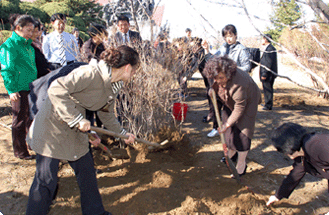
[[119, 154], [229, 162], [122, 136]]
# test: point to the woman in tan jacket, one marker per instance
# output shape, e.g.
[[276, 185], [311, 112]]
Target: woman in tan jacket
[[58, 131], [240, 97]]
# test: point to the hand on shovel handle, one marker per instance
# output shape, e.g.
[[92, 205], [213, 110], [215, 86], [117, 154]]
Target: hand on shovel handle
[[130, 139], [94, 139], [223, 128], [229, 162], [111, 133], [119, 154], [100, 145]]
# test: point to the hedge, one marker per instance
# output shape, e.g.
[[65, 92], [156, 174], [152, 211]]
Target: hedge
[[57, 7], [4, 35]]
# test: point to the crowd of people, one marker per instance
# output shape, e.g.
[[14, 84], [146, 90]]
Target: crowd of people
[[89, 76]]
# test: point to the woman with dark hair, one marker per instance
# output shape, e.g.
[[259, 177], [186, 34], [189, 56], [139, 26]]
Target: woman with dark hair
[[240, 97], [310, 152], [58, 131], [40, 60], [18, 69], [93, 47]]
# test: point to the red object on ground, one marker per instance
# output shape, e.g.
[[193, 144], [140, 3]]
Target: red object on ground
[[179, 111]]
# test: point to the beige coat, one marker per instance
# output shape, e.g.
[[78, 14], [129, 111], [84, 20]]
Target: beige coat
[[53, 132], [242, 97]]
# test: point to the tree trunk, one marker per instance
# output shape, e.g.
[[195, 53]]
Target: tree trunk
[[134, 14], [320, 8]]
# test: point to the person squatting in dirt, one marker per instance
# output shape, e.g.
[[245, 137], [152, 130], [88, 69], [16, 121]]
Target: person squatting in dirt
[[239, 96], [58, 131], [18, 69], [310, 152]]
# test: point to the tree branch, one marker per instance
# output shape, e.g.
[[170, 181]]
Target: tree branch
[[319, 79]]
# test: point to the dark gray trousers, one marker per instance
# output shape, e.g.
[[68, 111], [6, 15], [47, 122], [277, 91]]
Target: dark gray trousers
[[43, 188], [268, 93]]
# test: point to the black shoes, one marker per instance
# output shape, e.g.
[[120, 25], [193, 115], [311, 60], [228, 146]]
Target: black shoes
[[244, 172], [233, 158], [265, 108], [98, 171], [206, 120], [223, 160], [29, 157]]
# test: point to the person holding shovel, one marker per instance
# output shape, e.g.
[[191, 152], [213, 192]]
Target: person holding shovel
[[310, 152], [58, 131], [240, 97]]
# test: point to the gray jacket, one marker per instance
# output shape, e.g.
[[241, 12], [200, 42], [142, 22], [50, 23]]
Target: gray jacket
[[238, 53], [53, 132]]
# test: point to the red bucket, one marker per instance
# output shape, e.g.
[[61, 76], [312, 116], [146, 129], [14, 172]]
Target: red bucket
[[179, 111]]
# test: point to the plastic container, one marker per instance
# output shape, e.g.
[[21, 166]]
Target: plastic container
[[179, 111]]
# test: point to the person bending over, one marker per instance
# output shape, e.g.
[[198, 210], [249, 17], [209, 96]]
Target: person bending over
[[310, 152], [58, 131]]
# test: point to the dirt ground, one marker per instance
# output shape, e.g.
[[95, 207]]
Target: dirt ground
[[187, 178]]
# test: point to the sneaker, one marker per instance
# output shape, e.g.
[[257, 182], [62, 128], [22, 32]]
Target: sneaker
[[213, 133]]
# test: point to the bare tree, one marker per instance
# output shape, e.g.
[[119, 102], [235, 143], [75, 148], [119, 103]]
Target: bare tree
[[313, 74], [319, 7]]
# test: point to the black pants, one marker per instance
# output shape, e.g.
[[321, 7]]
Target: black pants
[[54, 66], [268, 93], [207, 84], [44, 185], [93, 117], [20, 125], [182, 82]]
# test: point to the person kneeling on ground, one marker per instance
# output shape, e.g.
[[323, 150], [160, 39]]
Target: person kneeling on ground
[[58, 131], [310, 152]]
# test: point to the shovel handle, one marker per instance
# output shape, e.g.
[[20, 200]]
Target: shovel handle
[[229, 162], [122, 136]]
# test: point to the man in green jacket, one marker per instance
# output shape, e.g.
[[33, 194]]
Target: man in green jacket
[[18, 69]]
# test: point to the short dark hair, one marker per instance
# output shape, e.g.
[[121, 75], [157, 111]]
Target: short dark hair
[[37, 24], [12, 17], [96, 29], [123, 18], [288, 137], [188, 30], [57, 16], [266, 36], [218, 65], [229, 29], [23, 20]]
